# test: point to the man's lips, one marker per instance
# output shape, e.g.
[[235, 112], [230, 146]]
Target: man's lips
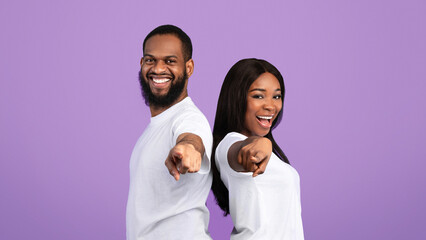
[[159, 79]]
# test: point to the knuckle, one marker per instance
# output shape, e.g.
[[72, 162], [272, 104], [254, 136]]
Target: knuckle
[[186, 164], [244, 149]]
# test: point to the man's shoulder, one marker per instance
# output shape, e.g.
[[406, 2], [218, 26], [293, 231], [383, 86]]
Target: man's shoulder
[[188, 110]]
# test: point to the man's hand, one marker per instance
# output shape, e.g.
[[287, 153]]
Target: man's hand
[[185, 156], [252, 155]]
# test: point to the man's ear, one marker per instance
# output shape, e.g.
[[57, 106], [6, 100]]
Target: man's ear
[[141, 61], [189, 67]]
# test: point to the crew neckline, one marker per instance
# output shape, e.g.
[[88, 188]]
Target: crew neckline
[[165, 114]]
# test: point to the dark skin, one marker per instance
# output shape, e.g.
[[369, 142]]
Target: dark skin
[[263, 105], [250, 155], [163, 57], [185, 156]]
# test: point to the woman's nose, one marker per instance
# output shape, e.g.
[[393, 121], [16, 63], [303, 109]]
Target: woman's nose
[[269, 105]]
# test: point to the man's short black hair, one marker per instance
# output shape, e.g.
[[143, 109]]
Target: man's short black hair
[[171, 29]]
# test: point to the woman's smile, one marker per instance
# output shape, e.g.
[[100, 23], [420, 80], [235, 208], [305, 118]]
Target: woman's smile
[[263, 105]]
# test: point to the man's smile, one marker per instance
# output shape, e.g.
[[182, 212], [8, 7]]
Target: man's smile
[[159, 80]]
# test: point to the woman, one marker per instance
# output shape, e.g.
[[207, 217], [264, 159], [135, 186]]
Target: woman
[[252, 178]]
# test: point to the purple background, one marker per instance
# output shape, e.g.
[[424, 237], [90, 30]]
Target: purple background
[[354, 123]]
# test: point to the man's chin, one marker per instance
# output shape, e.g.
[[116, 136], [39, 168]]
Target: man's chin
[[162, 99], [159, 93], [162, 95]]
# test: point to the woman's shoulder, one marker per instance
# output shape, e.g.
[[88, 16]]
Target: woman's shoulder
[[221, 156], [234, 136], [228, 140]]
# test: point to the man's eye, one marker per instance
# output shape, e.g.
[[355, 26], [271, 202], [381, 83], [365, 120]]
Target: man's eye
[[149, 60], [170, 61]]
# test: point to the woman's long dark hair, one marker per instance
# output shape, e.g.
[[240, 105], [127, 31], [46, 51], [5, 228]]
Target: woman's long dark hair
[[230, 113]]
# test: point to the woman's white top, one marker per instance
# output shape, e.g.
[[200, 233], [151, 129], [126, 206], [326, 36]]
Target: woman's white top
[[263, 207]]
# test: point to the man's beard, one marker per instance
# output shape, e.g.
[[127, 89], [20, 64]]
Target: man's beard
[[176, 89]]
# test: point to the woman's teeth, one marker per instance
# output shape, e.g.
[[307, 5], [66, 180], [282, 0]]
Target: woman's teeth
[[265, 117], [265, 121]]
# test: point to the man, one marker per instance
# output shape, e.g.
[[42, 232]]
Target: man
[[169, 168]]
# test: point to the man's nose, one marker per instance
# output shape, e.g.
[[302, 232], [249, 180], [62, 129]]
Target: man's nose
[[159, 67]]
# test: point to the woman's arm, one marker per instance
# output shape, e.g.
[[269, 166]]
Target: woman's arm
[[250, 155]]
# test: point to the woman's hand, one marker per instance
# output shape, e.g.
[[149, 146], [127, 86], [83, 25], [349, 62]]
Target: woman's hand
[[250, 155]]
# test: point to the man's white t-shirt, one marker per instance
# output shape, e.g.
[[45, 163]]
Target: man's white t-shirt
[[158, 206], [263, 207]]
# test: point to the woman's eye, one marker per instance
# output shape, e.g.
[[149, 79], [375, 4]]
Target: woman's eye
[[277, 97], [258, 96]]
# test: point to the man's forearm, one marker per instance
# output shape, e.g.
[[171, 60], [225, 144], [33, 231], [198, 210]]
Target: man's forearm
[[194, 140]]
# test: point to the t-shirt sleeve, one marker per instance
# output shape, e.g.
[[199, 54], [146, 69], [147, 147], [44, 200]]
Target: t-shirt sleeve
[[222, 154], [245, 205], [194, 122]]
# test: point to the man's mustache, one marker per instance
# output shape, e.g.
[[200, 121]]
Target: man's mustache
[[151, 74]]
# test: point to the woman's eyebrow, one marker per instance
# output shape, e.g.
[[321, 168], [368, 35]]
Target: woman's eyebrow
[[263, 90], [258, 89]]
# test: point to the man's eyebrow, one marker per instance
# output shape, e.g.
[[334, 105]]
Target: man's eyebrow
[[170, 56]]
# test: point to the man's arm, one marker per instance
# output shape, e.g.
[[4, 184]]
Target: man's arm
[[250, 155], [186, 155]]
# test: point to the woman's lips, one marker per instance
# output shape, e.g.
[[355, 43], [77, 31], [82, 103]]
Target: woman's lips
[[265, 121]]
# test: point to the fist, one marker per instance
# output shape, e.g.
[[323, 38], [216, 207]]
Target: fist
[[183, 158], [254, 155]]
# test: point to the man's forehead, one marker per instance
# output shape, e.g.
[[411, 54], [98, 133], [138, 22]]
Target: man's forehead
[[163, 45]]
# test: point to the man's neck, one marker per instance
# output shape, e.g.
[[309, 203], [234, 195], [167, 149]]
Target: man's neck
[[156, 110]]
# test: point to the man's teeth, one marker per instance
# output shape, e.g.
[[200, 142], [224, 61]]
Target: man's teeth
[[265, 117], [160, 80]]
